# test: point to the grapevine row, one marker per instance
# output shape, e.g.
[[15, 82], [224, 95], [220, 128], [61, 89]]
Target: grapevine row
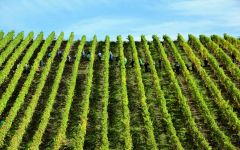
[[61, 133], [1, 35], [226, 109], [11, 47], [182, 99], [219, 135], [13, 83], [232, 40], [223, 78], [124, 97], [6, 39], [18, 135], [11, 61], [226, 45], [140, 86], [104, 116], [36, 141], [80, 134], [24, 90], [232, 67]]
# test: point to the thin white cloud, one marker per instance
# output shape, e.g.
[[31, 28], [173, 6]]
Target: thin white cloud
[[102, 26], [202, 7], [177, 16], [18, 15], [225, 13], [36, 7], [125, 26]]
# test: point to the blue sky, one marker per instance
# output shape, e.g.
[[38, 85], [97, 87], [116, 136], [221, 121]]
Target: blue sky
[[114, 17]]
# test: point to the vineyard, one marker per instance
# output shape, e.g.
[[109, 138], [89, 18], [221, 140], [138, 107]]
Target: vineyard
[[58, 93]]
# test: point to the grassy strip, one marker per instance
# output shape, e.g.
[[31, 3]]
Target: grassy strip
[[36, 141], [61, 133]]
